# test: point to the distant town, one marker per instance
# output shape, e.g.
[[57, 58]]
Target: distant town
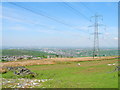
[[14, 54]]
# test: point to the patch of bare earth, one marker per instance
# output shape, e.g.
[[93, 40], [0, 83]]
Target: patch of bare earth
[[82, 59], [28, 63]]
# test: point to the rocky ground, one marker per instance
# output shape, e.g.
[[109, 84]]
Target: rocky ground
[[22, 83]]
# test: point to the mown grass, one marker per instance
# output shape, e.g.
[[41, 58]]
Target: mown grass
[[93, 74]]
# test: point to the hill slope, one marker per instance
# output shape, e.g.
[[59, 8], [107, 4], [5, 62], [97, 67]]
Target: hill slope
[[16, 52]]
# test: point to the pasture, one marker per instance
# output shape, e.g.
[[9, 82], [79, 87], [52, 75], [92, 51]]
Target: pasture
[[68, 74]]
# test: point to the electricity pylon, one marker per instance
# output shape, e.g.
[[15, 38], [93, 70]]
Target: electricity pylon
[[96, 50]]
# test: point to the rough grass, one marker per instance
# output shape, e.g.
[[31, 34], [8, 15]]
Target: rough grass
[[52, 61], [91, 74]]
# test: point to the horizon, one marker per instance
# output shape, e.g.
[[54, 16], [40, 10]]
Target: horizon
[[34, 47]]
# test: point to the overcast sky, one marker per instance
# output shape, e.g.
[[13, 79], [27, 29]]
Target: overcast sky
[[56, 24]]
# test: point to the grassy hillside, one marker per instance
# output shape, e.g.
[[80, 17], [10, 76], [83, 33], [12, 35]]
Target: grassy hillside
[[92, 74], [16, 52]]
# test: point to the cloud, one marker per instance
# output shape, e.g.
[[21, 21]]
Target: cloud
[[81, 27], [19, 28], [107, 33], [13, 19], [110, 32], [13, 16], [61, 33], [112, 28], [17, 20], [115, 38], [46, 31]]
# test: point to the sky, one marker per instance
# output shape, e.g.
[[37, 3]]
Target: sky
[[58, 24]]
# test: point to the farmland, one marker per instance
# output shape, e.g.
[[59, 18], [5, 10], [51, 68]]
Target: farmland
[[65, 73]]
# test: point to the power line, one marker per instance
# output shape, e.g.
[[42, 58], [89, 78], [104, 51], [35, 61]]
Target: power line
[[77, 12], [87, 7], [27, 22], [85, 17], [41, 14]]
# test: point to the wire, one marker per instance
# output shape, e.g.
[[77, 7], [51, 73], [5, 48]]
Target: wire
[[41, 14], [28, 22], [87, 7], [38, 13], [77, 12]]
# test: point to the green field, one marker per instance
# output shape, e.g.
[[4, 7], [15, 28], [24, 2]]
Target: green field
[[17, 52], [91, 74]]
